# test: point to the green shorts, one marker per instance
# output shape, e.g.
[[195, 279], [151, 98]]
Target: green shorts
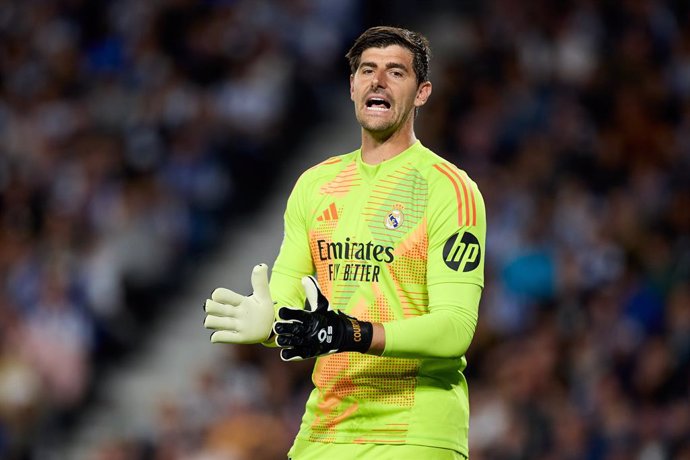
[[305, 450]]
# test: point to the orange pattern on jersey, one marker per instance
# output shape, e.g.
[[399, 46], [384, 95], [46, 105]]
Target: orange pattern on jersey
[[409, 269], [329, 375], [415, 245], [347, 377], [343, 182], [463, 193], [412, 302], [330, 161], [393, 433], [380, 311], [467, 189], [361, 308]]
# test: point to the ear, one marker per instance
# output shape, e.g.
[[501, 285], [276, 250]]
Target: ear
[[352, 87], [423, 93]]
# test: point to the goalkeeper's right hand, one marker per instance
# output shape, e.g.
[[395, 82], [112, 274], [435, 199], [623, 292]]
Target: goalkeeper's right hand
[[241, 319]]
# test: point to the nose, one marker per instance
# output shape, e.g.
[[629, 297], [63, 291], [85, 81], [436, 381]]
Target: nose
[[378, 80]]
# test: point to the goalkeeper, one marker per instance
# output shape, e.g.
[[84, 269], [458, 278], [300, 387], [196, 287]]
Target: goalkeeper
[[395, 236]]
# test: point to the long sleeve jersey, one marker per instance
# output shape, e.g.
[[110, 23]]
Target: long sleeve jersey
[[400, 243]]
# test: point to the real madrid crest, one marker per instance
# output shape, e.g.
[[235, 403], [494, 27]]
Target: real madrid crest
[[394, 219]]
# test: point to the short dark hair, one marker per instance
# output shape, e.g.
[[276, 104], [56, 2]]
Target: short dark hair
[[383, 36]]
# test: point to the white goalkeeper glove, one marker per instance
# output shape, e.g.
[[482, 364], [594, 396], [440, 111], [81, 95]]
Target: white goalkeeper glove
[[241, 319]]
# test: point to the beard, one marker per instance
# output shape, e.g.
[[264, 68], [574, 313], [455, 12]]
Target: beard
[[376, 125], [381, 126]]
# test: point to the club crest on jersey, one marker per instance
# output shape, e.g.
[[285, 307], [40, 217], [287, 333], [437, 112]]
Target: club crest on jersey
[[394, 219]]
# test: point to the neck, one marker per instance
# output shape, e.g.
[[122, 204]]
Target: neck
[[376, 149]]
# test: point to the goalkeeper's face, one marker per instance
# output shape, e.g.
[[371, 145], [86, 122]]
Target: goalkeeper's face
[[385, 91]]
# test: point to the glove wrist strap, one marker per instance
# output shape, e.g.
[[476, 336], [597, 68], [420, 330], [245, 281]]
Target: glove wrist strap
[[358, 334]]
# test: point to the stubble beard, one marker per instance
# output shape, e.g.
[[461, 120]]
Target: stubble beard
[[376, 126], [379, 127], [382, 129]]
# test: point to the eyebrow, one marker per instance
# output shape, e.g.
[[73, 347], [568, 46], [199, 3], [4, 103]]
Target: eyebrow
[[389, 65]]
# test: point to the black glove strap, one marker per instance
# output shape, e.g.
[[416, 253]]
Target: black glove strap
[[358, 334]]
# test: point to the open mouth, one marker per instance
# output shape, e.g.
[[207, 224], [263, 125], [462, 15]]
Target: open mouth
[[378, 103]]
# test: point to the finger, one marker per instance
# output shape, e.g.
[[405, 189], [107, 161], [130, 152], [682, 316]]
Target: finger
[[280, 327], [226, 337], [260, 282], [292, 314], [311, 290], [289, 327], [316, 301], [288, 340], [219, 309], [322, 302], [290, 354], [226, 296], [220, 323]]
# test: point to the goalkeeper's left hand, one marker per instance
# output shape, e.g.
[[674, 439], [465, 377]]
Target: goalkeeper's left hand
[[318, 330]]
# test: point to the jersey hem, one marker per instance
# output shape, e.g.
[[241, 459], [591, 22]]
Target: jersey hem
[[412, 441]]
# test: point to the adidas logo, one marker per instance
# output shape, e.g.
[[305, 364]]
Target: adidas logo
[[329, 214]]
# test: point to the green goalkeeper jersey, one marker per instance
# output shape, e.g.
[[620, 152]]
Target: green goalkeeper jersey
[[399, 243]]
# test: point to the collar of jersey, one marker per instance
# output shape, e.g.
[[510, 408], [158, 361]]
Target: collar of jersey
[[370, 171]]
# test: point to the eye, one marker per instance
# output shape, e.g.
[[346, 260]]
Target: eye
[[397, 73], [367, 71]]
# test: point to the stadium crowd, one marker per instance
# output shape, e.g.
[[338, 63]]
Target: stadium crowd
[[126, 130], [125, 125]]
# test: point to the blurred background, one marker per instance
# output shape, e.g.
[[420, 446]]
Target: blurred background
[[146, 152]]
